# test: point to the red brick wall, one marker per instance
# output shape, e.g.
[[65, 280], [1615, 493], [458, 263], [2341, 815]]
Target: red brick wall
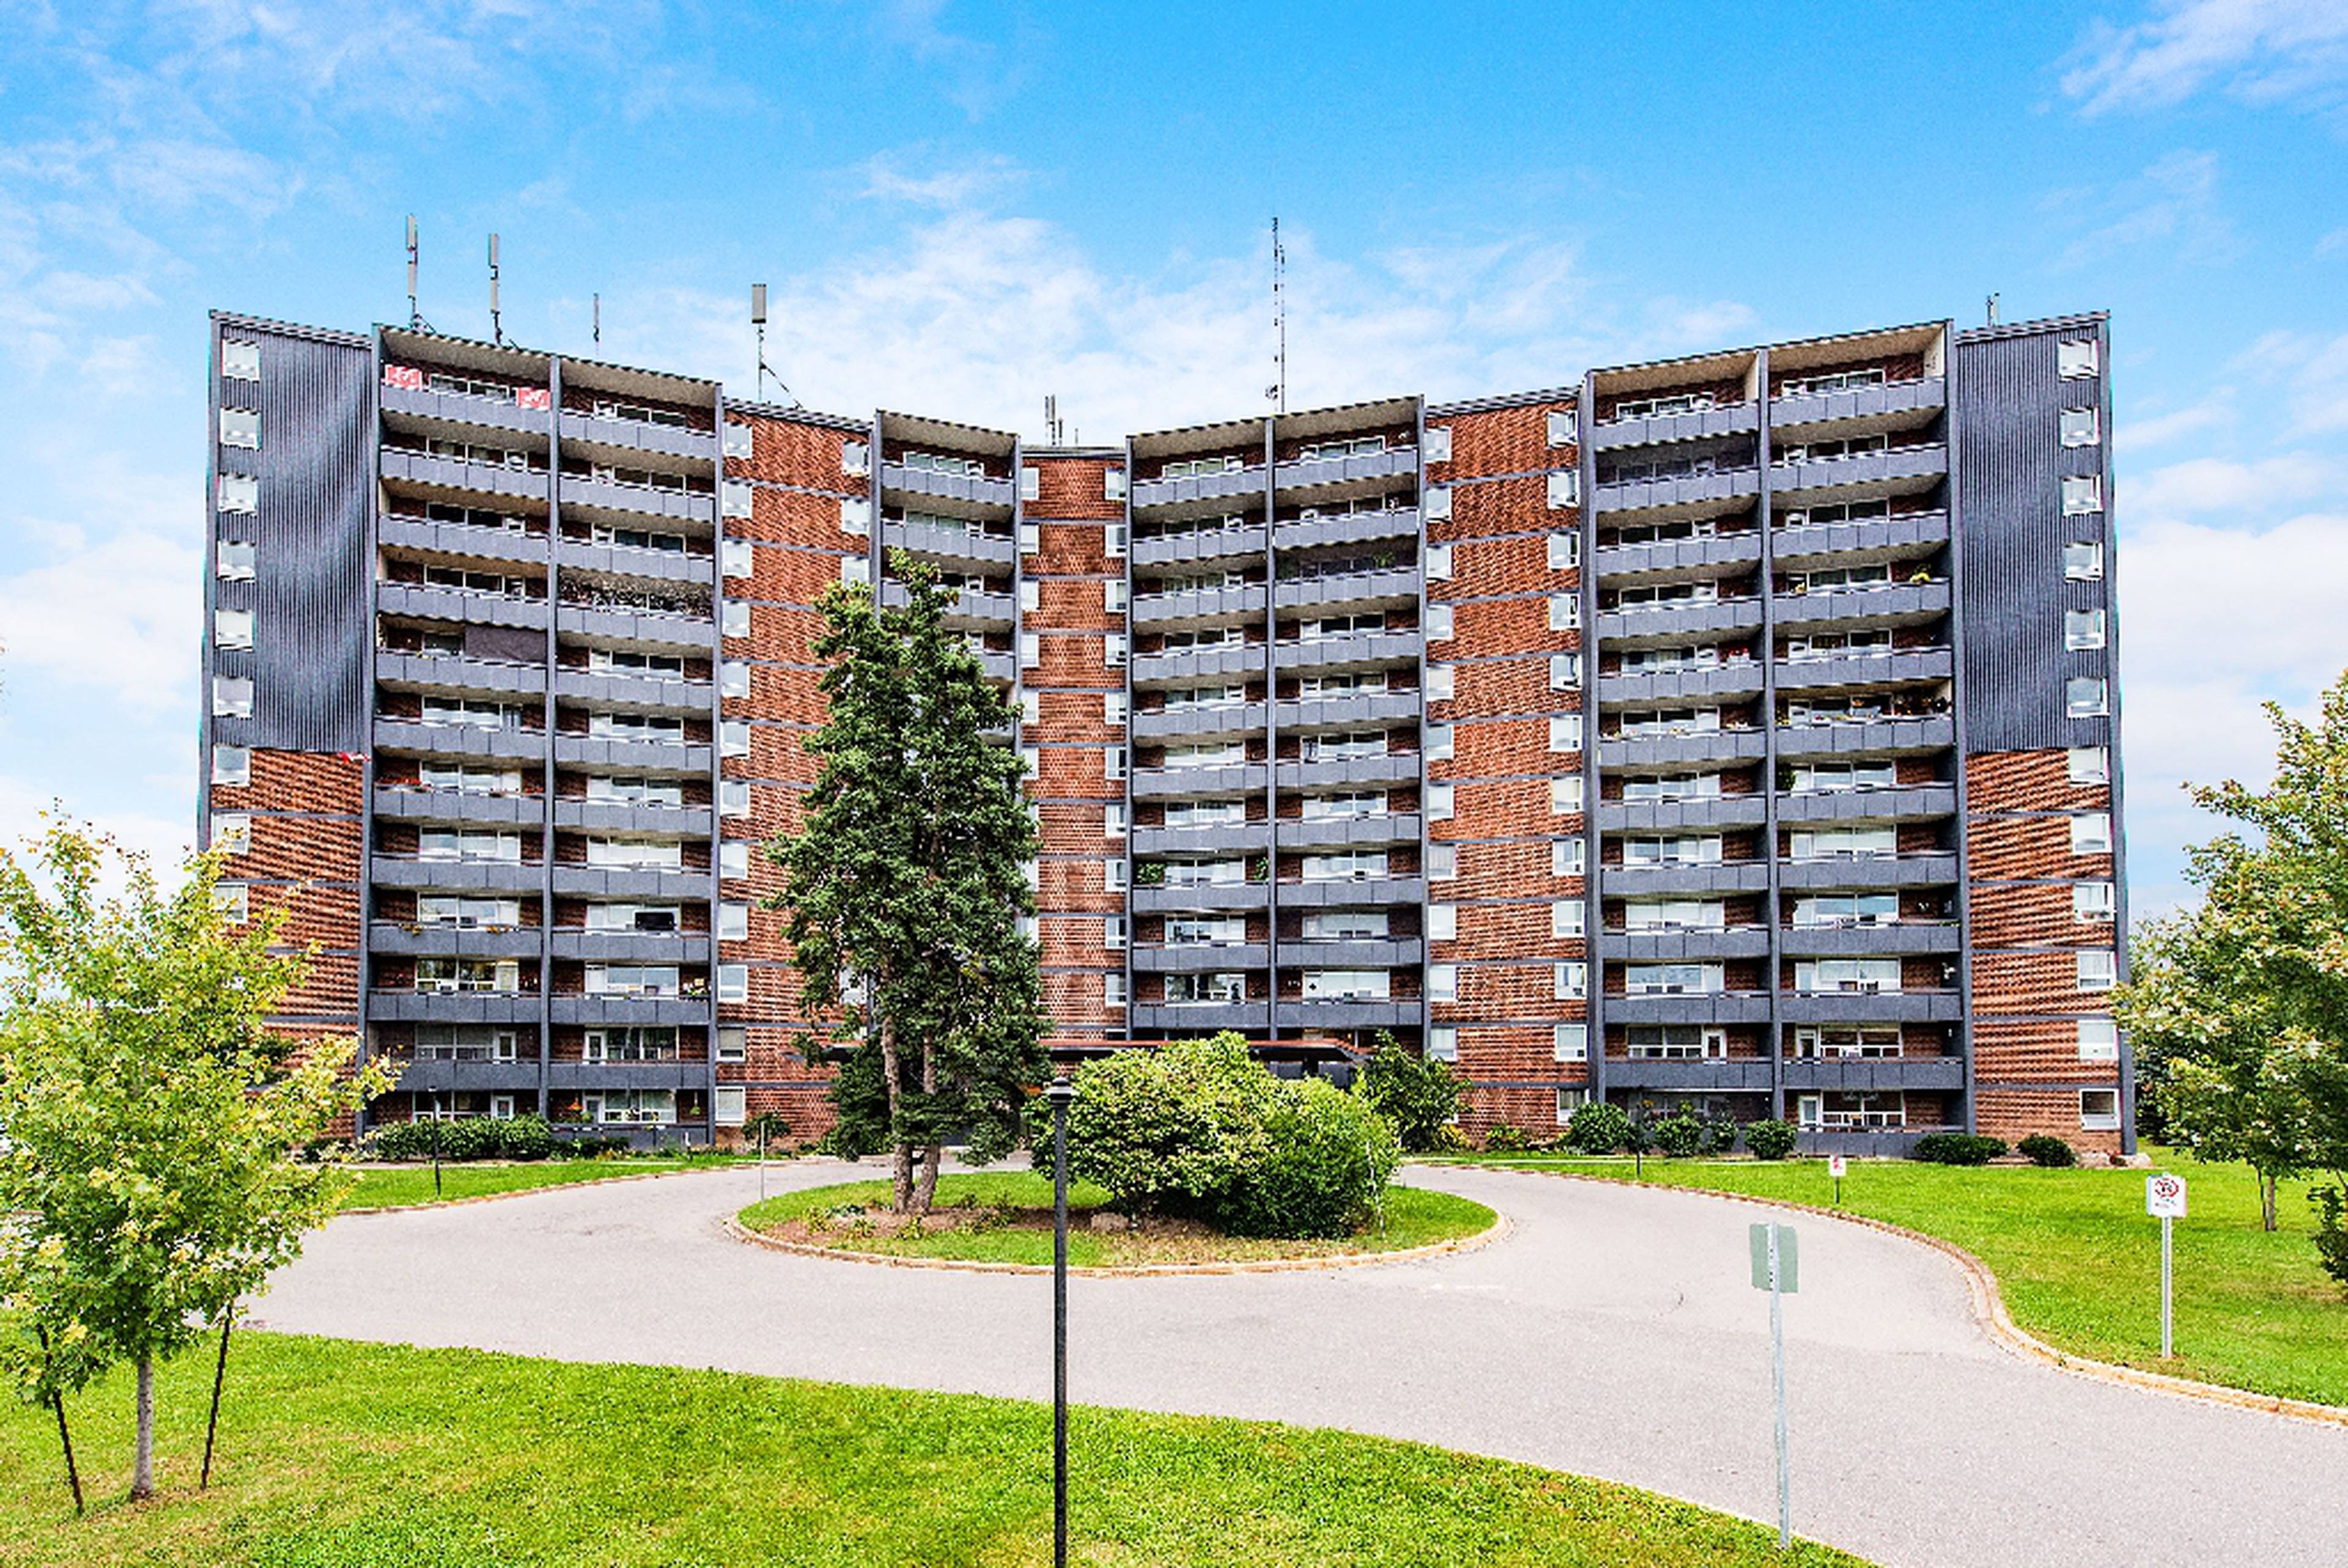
[[304, 860]]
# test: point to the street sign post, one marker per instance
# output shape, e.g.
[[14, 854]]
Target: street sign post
[[2163, 1197], [1777, 1269], [1838, 1167]]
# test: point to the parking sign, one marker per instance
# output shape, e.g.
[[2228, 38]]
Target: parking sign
[[2164, 1197]]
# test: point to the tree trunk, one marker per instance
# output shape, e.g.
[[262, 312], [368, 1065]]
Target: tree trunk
[[64, 1437], [220, 1376], [2266, 1199], [142, 1463], [901, 1156], [934, 1156]]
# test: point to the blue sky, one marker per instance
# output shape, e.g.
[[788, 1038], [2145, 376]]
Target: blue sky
[[960, 207]]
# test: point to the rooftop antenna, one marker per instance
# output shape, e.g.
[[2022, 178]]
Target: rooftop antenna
[[759, 319], [1278, 390], [497, 322], [1053, 427], [599, 319], [416, 322], [1992, 309]]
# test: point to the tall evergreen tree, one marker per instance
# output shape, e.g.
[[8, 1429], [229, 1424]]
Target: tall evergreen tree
[[904, 891]]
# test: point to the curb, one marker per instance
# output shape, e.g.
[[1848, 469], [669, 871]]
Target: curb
[[1498, 1230], [523, 1192], [1988, 1309]]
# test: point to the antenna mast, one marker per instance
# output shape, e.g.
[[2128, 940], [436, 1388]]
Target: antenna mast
[[599, 319], [759, 319], [1053, 426], [414, 318], [1278, 390], [497, 322]]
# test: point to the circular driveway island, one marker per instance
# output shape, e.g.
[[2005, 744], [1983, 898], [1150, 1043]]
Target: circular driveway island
[[1614, 1333]]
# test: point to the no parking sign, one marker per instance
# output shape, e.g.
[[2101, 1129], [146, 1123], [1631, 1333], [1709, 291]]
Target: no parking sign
[[2164, 1197]]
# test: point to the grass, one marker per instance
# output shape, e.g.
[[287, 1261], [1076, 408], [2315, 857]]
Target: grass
[[2078, 1261], [410, 1186], [335, 1455], [969, 1226]]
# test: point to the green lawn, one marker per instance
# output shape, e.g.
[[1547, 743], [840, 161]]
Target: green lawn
[[412, 1184], [336, 1455], [2078, 1261], [963, 1230]]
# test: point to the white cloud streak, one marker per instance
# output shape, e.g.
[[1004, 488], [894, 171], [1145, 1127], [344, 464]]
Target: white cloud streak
[[2258, 51]]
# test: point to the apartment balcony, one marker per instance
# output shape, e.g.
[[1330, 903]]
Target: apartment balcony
[[626, 560], [977, 490], [965, 547], [1395, 462], [607, 1009], [467, 740], [1687, 1007], [1657, 881], [647, 757], [627, 817], [1347, 528], [1909, 736], [1797, 547], [1382, 767], [1926, 1074], [1385, 588], [572, 1076], [1616, 751], [1675, 816], [455, 478], [414, 598], [442, 1077], [1356, 650], [1193, 664], [1178, 897], [1236, 838], [1866, 941], [1199, 606], [1349, 712], [635, 694], [1726, 1075], [453, 1007], [1685, 945], [1903, 801], [1369, 953], [1657, 623], [1709, 682], [1869, 1006], [1186, 1020], [1694, 496], [631, 947], [1353, 892], [662, 882], [1178, 783], [435, 876], [1866, 670], [1667, 558], [611, 498], [1902, 470], [1893, 604], [644, 629], [1199, 957], [1878, 405], [1862, 873], [1317, 1014], [405, 803], [454, 673], [640, 435], [1202, 546], [411, 407], [1701, 424], [476, 543], [1199, 722], [1381, 831], [968, 608], [403, 939]]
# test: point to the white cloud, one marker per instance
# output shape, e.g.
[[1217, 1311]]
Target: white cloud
[[2174, 201], [2157, 430], [2249, 489], [25, 813], [2313, 373], [122, 615], [2261, 51]]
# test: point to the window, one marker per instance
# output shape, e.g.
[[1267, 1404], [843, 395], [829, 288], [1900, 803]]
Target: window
[[1838, 778], [1572, 1042], [1571, 981], [232, 697], [1112, 763], [1196, 990], [1565, 857], [2100, 1039], [477, 914], [1113, 708], [2081, 427], [239, 493], [1569, 1101], [1838, 910], [1847, 844], [1113, 483], [2083, 628], [1675, 915], [1682, 851], [1443, 984], [1229, 753], [1561, 428], [733, 982], [1565, 796], [733, 859], [2098, 970], [1442, 862], [733, 922], [239, 427], [1443, 1043], [856, 517], [2099, 1111], [2083, 562], [1672, 979], [1439, 622], [2076, 358], [1347, 865], [1672, 787], [733, 737], [1870, 976], [1675, 1042], [2093, 901], [2091, 833], [1113, 876], [232, 628], [1564, 551], [478, 845], [1113, 651], [1112, 597], [1565, 732], [2082, 494], [1564, 611], [1438, 503], [502, 976], [856, 571], [1564, 487], [1564, 672], [1440, 801], [241, 360], [1436, 443], [1439, 563], [1113, 990], [232, 833], [1347, 985], [1864, 1041], [733, 619], [2089, 764], [1442, 923], [2084, 697], [1566, 917], [1113, 819], [228, 899], [232, 765]]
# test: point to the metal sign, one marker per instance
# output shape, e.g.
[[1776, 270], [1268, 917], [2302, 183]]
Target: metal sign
[[2164, 1197], [1837, 1167], [1774, 1270], [1788, 1257]]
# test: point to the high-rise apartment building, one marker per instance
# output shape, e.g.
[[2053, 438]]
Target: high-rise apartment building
[[1739, 730]]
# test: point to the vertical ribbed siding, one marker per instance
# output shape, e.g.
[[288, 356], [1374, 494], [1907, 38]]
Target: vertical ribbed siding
[[2007, 398], [310, 583]]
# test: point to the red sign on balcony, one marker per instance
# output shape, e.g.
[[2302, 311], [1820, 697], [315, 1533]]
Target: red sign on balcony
[[531, 398], [405, 376]]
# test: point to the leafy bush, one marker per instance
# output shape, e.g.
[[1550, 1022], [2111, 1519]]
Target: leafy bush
[[1598, 1128], [2332, 1231], [1505, 1138], [1448, 1140], [1958, 1149], [1170, 1131], [1418, 1096], [2044, 1149], [472, 1138], [525, 1138], [1682, 1134], [1328, 1156], [1770, 1139], [1638, 1131], [1722, 1133]]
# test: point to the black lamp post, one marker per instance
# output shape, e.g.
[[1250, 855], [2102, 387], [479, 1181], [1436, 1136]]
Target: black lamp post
[[1061, 1094]]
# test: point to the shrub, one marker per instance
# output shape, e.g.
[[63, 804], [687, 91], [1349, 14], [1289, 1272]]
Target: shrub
[[2332, 1231], [1721, 1133], [2044, 1149], [525, 1138], [1770, 1139], [1418, 1096], [1638, 1131], [1448, 1140], [1507, 1139], [1327, 1158], [1682, 1134], [1958, 1149], [1170, 1131], [1598, 1128]]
